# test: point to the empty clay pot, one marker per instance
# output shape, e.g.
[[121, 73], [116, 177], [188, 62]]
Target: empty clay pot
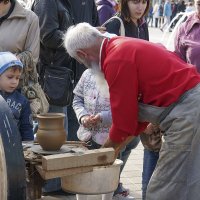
[[51, 134]]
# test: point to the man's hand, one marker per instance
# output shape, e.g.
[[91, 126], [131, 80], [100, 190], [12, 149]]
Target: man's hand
[[117, 146]]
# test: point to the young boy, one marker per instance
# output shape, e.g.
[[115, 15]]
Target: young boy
[[10, 72]]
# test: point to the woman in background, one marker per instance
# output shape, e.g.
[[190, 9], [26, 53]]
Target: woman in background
[[187, 39]]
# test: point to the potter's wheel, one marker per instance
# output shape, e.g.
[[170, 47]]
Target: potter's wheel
[[38, 149]]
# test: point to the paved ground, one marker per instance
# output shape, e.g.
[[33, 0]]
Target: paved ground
[[131, 175]]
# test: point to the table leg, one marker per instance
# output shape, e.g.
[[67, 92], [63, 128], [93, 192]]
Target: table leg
[[34, 183]]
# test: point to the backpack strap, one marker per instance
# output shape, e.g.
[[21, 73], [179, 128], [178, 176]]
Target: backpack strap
[[122, 29]]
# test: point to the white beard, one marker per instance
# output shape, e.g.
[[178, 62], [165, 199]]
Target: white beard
[[101, 82]]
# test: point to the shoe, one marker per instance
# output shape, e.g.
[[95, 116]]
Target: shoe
[[123, 196], [161, 29], [123, 189]]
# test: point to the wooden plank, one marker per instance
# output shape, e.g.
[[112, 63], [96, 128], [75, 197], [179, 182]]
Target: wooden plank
[[103, 156], [62, 172]]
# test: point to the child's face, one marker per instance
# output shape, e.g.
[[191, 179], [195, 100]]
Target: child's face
[[9, 80]]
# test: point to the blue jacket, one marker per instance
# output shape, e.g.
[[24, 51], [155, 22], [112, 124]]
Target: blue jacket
[[167, 9], [21, 110]]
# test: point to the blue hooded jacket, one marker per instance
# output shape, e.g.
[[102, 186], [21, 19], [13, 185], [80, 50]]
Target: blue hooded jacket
[[21, 110]]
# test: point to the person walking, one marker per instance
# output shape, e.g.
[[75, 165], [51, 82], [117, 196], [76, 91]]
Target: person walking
[[167, 14]]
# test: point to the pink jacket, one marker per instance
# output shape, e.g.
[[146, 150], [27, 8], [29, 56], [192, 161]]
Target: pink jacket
[[187, 41]]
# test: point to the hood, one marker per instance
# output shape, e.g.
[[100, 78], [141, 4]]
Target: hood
[[103, 2]]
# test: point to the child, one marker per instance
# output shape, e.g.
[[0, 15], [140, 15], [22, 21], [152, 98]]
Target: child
[[93, 112], [10, 72]]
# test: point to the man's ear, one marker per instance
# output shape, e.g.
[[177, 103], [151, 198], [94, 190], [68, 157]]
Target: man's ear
[[81, 54]]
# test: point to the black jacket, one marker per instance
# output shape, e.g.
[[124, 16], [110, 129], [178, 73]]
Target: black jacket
[[54, 17], [85, 11], [55, 64], [131, 30]]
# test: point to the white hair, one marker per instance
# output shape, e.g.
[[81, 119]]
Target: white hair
[[80, 36], [101, 82]]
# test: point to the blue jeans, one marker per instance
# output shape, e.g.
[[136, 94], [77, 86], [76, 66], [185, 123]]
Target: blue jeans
[[124, 154], [149, 163]]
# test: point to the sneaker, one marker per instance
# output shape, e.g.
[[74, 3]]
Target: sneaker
[[124, 189], [123, 196]]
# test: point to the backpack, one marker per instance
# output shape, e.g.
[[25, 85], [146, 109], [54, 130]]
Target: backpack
[[122, 29]]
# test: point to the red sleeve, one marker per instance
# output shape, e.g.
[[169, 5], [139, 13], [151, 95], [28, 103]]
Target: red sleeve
[[123, 87], [117, 135]]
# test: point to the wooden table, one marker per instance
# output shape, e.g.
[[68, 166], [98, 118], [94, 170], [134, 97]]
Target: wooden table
[[44, 167]]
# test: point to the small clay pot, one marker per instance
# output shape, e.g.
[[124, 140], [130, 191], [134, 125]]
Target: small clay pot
[[51, 134]]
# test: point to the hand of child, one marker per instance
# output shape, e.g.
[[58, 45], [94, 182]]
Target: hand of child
[[89, 121], [95, 119], [85, 121]]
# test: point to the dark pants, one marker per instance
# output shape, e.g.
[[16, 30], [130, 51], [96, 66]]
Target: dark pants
[[73, 125]]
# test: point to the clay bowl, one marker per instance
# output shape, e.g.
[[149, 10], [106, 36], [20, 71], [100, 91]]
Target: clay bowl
[[103, 179]]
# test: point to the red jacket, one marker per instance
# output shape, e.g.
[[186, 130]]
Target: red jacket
[[136, 69]]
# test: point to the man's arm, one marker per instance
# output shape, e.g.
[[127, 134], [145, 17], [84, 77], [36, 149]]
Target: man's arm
[[117, 146]]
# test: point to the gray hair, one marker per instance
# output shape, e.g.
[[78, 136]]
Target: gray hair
[[80, 36]]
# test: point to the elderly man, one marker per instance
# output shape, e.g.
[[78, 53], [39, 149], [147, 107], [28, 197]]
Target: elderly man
[[147, 83]]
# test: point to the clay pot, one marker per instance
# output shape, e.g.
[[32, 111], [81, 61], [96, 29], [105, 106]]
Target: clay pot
[[51, 134]]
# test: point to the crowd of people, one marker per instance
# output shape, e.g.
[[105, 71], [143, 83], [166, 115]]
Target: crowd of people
[[61, 39], [164, 11]]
